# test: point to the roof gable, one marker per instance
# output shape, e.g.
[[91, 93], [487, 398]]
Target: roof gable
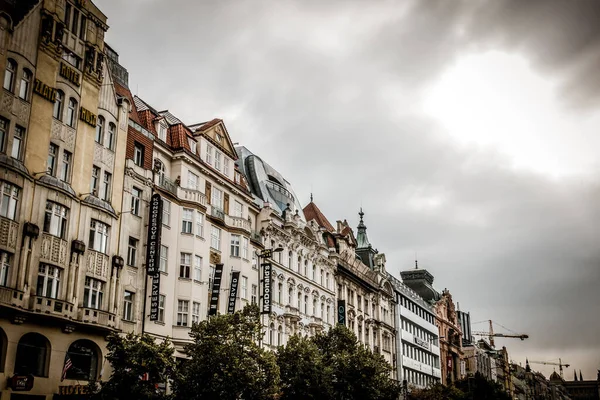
[[216, 133], [312, 212]]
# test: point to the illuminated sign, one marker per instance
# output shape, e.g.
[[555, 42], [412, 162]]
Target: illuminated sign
[[266, 293]]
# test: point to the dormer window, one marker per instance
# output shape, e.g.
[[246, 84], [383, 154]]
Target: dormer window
[[162, 132], [218, 158], [192, 143], [209, 151]]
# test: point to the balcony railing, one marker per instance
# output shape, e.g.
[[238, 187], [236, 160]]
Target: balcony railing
[[9, 230], [98, 317], [46, 305], [12, 297], [54, 249], [256, 237], [97, 263], [193, 195], [238, 222], [167, 184], [217, 213]]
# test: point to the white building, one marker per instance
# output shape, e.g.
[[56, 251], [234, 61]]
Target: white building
[[417, 340]]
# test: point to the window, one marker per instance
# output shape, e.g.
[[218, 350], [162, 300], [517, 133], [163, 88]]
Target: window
[[9, 201], [216, 198], [182, 312], [279, 336], [138, 154], [58, 104], [290, 295], [226, 165], [98, 236], [48, 283], [211, 275], [65, 171], [186, 220], [136, 195], [218, 158], [199, 224], [93, 293], [245, 287], [9, 74], [32, 355], [56, 219], [215, 238], [237, 209], [198, 268], [192, 144], [99, 138], [185, 265], [162, 132], [18, 138], [195, 312], [279, 293], [4, 267], [132, 251], [166, 219], [245, 248], [106, 182], [71, 112], [314, 272], [164, 256], [305, 304], [3, 130], [299, 300], [161, 308], [235, 245], [84, 359], [25, 84], [128, 306], [253, 294], [111, 136], [95, 180], [305, 267], [52, 155], [192, 182], [209, 150]]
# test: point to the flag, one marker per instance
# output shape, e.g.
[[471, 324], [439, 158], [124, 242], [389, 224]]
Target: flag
[[67, 366]]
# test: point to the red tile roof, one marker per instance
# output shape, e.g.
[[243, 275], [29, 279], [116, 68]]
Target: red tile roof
[[146, 120], [311, 211], [208, 124], [124, 92]]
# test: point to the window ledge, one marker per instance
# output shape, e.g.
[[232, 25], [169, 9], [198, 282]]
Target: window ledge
[[159, 323], [181, 278]]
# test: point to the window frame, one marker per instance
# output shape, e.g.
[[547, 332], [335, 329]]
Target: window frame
[[128, 302], [72, 113], [185, 265], [57, 216], [9, 74], [136, 200], [25, 85], [132, 249], [183, 307], [93, 293], [50, 281], [138, 154], [187, 221]]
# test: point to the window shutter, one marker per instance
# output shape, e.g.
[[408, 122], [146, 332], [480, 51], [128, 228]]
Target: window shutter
[[207, 193], [226, 203]]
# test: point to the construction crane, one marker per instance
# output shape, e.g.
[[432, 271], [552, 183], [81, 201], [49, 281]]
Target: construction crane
[[491, 335], [559, 363]]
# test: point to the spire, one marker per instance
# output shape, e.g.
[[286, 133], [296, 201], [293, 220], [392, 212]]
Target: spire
[[580, 376], [361, 235], [527, 367], [311, 197], [575, 375]]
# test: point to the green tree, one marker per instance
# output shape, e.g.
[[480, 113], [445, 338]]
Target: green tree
[[478, 387], [225, 361], [437, 392], [131, 357]]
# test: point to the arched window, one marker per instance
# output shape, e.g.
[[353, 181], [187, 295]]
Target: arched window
[[3, 347], [290, 260], [290, 295], [25, 84], [271, 334], [280, 293], [280, 336], [58, 105], [299, 263], [33, 353], [84, 355], [9, 75], [71, 112], [111, 136], [99, 138]]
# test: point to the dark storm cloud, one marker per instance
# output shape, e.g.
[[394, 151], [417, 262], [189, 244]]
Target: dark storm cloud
[[324, 92]]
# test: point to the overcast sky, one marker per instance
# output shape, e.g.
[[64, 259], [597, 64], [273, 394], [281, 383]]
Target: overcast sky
[[469, 131]]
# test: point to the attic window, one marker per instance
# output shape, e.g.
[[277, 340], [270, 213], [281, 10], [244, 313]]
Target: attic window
[[162, 132], [192, 143]]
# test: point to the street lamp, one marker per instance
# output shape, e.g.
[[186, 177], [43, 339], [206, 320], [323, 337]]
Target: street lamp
[[265, 254]]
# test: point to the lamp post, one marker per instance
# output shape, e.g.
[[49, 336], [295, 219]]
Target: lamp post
[[265, 255]]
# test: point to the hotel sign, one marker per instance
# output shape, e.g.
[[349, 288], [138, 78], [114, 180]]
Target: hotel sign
[[216, 288], [235, 279], [69, 74], [341, 312], [45, 91], [266, 294], [154, 232], [72, 389], [87, 116]]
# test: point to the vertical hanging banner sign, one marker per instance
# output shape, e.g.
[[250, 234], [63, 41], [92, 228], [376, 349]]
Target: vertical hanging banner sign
[[154, 294], [154, 231], [216, 288], [235, 279], [341, 312], [266, 294]]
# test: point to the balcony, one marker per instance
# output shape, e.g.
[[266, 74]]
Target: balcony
[[46, 305], [238, 222], [256, 237], [11, 297], [193, 196], [97, 317], [217, 213], [9, 231], [54, 249], [97, 264], [167, 184], [73, 43]]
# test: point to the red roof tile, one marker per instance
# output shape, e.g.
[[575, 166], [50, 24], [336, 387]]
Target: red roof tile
[[311, 211], [208, 124], [124, 92]]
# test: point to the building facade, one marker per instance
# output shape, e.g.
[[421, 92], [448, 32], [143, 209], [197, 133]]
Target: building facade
[[417, 340]]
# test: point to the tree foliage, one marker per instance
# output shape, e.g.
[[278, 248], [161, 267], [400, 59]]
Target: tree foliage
[[139, 365], [475, 387], [225, 361], [342, 368]]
